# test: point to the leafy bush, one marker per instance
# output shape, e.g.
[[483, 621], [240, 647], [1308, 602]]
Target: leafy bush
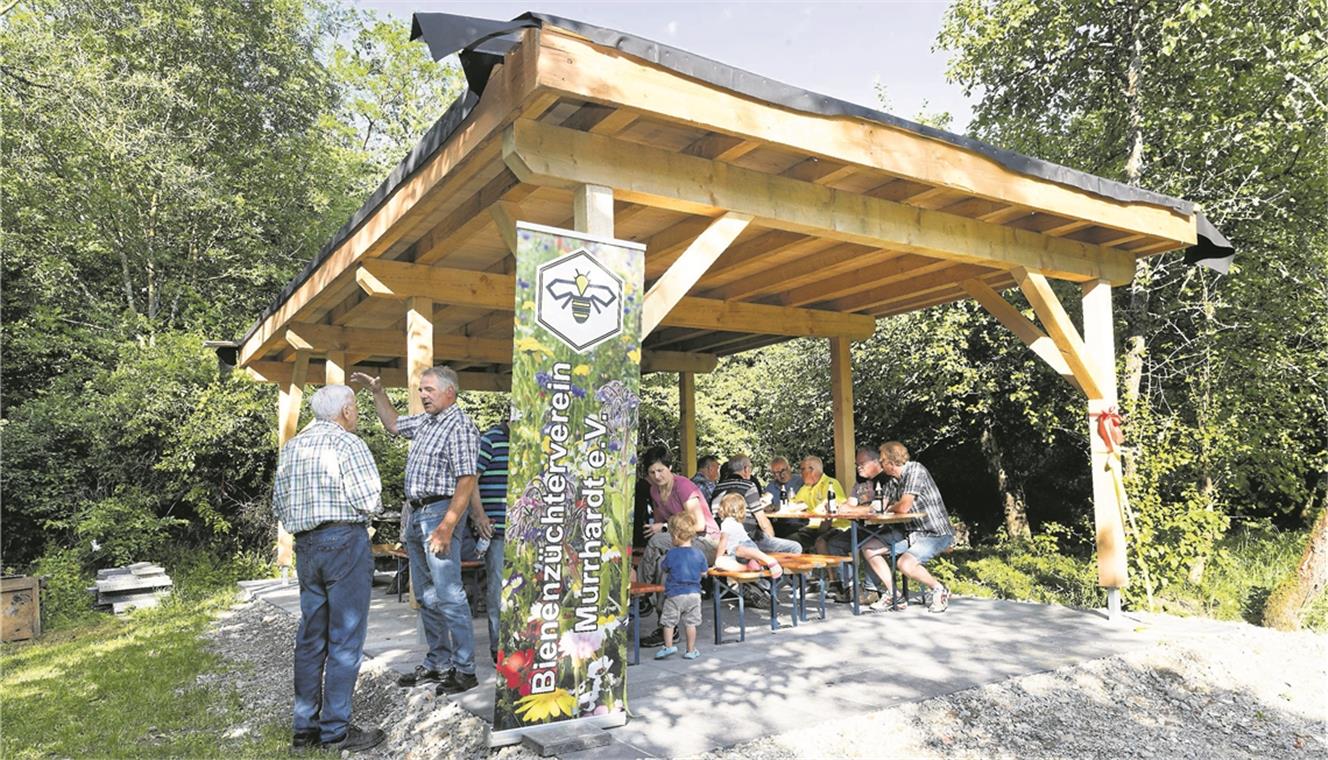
[[65, 601]]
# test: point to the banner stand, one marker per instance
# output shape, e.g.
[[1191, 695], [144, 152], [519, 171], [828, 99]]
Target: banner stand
[[576, 378]]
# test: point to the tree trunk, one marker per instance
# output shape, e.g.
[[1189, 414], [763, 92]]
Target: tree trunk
[[1298, 590], [1137, 311], [1012, 496]]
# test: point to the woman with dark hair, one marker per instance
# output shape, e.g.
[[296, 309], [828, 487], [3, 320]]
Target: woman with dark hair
[[671, 494]]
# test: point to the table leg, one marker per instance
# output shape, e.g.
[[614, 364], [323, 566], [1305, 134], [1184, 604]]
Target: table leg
[[774, 604], [635, 612], [825, 581], [894, 579], [853, 564], [398, 580], [715, 596], [742, 613]]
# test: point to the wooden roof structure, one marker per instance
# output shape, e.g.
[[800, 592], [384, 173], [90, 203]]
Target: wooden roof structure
[[762, 222]]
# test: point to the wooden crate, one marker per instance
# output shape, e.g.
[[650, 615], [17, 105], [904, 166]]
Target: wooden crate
[[20, 608]]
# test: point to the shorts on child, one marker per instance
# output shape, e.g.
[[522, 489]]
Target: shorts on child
[[684, 607]]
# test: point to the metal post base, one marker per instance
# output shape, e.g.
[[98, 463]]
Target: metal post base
[[1113, 605]]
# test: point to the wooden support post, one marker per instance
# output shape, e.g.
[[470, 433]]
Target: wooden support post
[[841, 401], [687, 423], [1100, 343], [592, 210], [419, 346], [334, 372], [290, 396]]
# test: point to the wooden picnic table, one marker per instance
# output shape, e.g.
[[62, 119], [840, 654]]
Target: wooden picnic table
[[863, 523]]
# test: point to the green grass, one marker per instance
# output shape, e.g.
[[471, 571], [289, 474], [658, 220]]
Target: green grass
[[1236, 583], [125, 687], [99, 686]]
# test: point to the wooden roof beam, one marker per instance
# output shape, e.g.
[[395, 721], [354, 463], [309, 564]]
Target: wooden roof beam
[[540, 154], [399, 280]]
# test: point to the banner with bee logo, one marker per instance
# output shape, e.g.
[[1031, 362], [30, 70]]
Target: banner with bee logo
[[576, 376]]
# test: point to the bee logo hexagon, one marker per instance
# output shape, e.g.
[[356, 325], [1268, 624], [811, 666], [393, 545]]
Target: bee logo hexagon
[[579, 300]]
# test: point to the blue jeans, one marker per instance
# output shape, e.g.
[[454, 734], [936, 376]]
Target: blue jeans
[[335, 568], [840, 543], [774, 544], [493, 573], [438, 589]]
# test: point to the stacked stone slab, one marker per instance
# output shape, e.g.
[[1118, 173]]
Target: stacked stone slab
[[120, 589]]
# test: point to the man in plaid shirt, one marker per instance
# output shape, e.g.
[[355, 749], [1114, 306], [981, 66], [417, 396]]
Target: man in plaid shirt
[[326, 487], [911, 489], [440, 477]]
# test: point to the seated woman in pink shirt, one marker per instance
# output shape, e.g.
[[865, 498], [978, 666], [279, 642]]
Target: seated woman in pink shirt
[[671, 494]]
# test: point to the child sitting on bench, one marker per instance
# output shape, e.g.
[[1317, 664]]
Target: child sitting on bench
[[683, 567], [735, 546]]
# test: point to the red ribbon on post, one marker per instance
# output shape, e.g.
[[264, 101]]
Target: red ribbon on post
[[1109, 424]]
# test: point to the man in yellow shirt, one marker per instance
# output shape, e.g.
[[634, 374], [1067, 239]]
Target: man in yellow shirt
[[815, 492]]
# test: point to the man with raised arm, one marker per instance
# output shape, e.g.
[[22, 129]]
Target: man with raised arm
[[440, 477]]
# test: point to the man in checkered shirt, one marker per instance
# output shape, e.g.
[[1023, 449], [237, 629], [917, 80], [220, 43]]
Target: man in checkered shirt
[[440, 477], [911, 490], [326, 487]]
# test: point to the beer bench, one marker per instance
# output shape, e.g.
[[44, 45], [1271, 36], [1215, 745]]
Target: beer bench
[[397, 552], [728, 587], [637, 591], [803, 564]]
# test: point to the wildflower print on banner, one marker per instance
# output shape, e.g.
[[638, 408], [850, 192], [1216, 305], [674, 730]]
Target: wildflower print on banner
[[576, 379]]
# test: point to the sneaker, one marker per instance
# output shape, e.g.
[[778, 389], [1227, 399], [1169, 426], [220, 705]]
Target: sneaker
[[305, 740], [692, 655], [422, 675], [887, 603], [869, 596], [940, 599], [458, 683], [357, 740], [666, 652], [653, 639], [841, 595]]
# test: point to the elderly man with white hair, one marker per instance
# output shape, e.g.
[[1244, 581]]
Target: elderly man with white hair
[[326, 487], [441, 469]]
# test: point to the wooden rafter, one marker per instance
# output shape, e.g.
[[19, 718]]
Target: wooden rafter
[[669, 289]]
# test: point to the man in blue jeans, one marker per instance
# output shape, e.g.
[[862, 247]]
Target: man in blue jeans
[[326, 487], [440, 477]]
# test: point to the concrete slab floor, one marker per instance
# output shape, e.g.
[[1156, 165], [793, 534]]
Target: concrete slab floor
[[822, 669]]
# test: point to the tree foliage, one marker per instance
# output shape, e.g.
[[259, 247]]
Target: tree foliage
[[168, 168]]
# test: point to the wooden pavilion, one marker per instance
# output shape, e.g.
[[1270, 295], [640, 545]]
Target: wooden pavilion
[[768, 213]]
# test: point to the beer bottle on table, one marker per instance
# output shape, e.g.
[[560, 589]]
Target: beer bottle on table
[[830, 505], [879, 501]]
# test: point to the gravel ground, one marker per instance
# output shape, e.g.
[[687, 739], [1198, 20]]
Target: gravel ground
[[1246, 692], [1229, 691], [257, 640]]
